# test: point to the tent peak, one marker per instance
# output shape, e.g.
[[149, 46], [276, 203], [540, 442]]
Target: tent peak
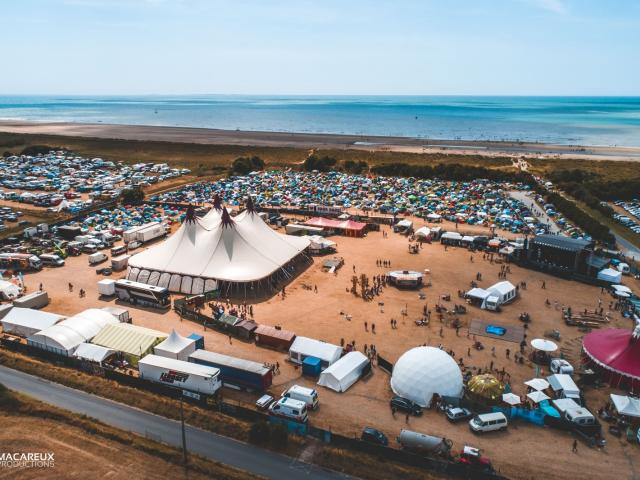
[[217, 202], [190, 216], [227, 221], [251, 208]]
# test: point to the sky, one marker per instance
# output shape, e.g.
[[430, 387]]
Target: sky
[[323, 47]]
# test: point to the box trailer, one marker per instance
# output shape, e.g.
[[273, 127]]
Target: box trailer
[[120, 262], [107, 287], [151, 233], [130, 235], [180, 374], [33, 300], [235, 372]]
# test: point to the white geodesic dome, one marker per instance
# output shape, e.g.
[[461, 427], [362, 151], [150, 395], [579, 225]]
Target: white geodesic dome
[[423, 371]]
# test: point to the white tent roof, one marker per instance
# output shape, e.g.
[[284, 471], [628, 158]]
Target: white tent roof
[[423, 371], [564, 382], [315, 348], [610, 275], [478, 293], [625, 405], [93, 353], [345, 372], [73, 331], [25, 321], [423, 232], [174, 343], [502, 288], [244, 250]]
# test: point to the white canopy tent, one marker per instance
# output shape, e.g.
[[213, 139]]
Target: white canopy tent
[[537, 396], [423, 232], [303, 347], [176, 346], [216, 248], [8, 290], [25, 322], [505, 291], [537, 383], [345, 372], [626, 405], [93, 353]]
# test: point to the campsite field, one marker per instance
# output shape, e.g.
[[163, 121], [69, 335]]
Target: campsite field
[[522, 452]]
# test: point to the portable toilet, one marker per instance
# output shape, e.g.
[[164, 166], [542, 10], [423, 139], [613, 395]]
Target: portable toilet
[[311, 366]]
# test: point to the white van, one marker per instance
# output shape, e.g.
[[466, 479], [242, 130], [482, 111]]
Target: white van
[[488, 422], [307, 395], [289, 408], [52, 260], [96, 258]]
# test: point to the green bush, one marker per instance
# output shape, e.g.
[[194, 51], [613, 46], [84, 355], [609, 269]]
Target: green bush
[[38, 150], [245, 165], [321, 164], [132, 196]]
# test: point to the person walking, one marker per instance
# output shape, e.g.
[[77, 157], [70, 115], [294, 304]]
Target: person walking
[[574, 449]]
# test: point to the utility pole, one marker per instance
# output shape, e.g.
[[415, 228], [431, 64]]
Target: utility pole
[[184, 436]]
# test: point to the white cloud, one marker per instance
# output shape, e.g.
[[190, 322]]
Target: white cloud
[[554, 6]]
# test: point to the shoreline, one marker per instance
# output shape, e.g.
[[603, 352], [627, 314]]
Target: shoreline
[[194, 135]]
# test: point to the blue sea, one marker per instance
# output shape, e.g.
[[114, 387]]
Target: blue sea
[[562, 120]]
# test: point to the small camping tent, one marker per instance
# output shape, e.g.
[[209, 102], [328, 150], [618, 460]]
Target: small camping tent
[[345, 372]]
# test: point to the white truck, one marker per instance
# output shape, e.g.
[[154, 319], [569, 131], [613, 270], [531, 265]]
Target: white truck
[[557, 365], [180, 374], [97, 257]]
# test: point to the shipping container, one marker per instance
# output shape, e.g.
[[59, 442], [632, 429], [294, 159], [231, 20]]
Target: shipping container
[[235, 372], [180, 374]]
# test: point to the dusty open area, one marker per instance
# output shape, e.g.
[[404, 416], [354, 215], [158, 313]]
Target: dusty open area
[[522, 452]]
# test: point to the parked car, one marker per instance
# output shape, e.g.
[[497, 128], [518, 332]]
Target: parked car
[[264, 402], [372, 435], [406, 405], [457, 414]]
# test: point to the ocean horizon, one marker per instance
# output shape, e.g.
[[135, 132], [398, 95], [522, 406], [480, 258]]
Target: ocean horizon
[[588, 121]]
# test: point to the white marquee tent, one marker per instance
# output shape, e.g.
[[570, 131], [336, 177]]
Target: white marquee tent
[[25, 322], [204, 252], [345, 372], [64, 337], [176, 346], [93, 353], [610, 275], [303, 347]]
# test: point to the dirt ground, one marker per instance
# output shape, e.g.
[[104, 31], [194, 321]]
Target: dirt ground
[[79, 455], [524, 451]]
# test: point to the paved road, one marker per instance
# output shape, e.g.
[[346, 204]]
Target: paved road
[[536, 210], [207, 444]]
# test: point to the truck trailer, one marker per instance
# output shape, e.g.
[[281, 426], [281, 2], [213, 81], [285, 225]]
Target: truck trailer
[[20, 261], [180, 374], [235, 372], [152, 232]]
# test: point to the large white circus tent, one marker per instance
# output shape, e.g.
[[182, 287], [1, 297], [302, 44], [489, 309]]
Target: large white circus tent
[[234, 255]]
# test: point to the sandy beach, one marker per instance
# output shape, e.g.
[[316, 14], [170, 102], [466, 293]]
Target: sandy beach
[[316, 140]]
